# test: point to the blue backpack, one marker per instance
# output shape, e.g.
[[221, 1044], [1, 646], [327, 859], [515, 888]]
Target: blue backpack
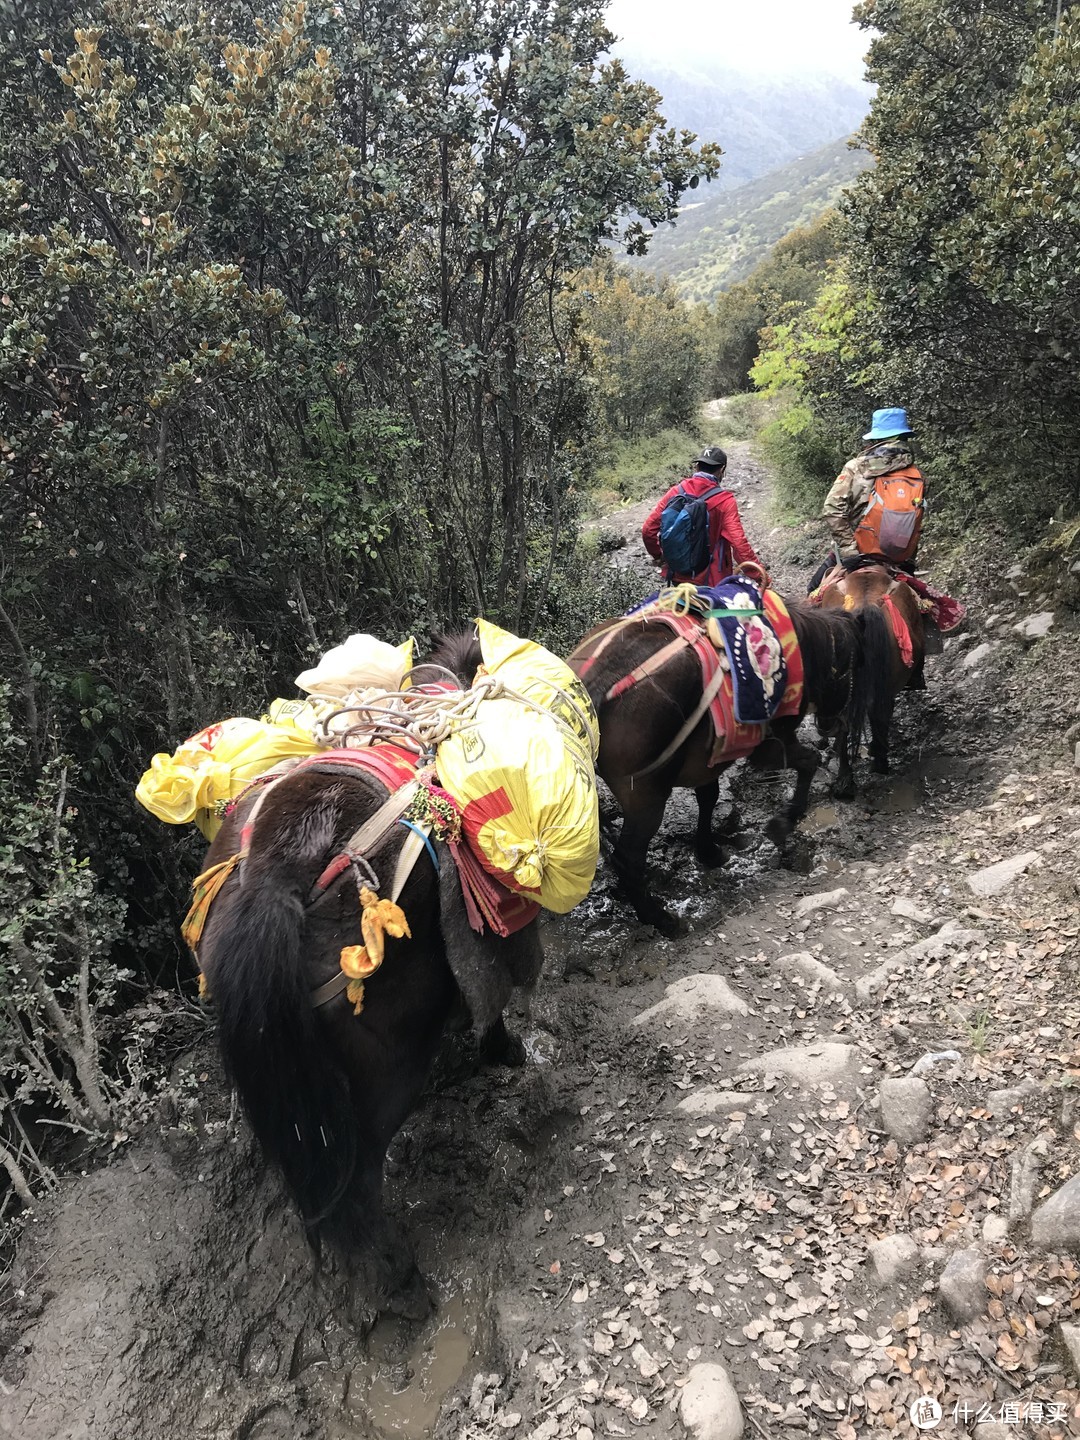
[[684, 531]]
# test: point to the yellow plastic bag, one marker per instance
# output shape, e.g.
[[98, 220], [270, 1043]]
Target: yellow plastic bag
[[203, 774], [524, 777]]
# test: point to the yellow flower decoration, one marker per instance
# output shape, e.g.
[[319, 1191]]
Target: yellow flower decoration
[[378, 918]]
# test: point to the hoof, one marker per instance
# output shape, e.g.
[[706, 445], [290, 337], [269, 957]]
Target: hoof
[[844, 788], [412, 1298], [709, 854], [731, 824], [669, 925], [778, 830]]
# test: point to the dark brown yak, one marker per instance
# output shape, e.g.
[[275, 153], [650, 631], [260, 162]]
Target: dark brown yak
[[637, 726], [863, 593], [326, 1090]]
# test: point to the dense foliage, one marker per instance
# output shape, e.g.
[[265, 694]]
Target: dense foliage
[[960, 292], [284, 353]]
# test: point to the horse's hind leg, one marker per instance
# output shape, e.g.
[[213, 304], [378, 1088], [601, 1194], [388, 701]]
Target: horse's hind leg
[[844, 787], [706, 848], [642, 804], [879, 742]]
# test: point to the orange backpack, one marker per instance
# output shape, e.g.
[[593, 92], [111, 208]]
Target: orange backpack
[[892, 520]]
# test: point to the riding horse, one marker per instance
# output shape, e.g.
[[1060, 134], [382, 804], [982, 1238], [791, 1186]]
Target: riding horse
[[324, 1088], [895, 646], [640, 722]]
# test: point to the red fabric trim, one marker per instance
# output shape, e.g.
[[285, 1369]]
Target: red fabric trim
[[900, 630]]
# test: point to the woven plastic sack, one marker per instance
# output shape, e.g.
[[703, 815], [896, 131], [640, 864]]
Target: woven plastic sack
[[359, 663], [203, 774], [524, 776]]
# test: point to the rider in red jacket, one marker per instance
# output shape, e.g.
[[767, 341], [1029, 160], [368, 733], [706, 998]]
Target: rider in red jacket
[[728, 545]]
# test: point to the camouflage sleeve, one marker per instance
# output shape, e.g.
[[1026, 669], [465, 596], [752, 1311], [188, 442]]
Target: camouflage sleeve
[[838, 507]]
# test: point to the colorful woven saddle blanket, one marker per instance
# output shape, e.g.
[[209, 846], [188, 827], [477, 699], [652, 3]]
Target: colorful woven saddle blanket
[[762, 672]]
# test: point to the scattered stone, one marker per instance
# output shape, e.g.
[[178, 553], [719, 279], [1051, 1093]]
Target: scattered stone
[[709, 1406], [826, 900], [714, 1102], [976, 657], [905, 1109], [934, 1057], [692, 997], [963, 1285], [1015, 572], [994, 878], [936, 947], [868, 985], [908, 910], [817, 1064], [900, 1033], [813, 970], [1056, 1223], [1076, 755], [1034, 627], [1024, 1177], [1071, 1336], [893, 1257], [995, 1229], [1000, 1102]]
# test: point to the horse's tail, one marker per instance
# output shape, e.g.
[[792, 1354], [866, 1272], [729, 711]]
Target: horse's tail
[[871, 688], [293, 1090]]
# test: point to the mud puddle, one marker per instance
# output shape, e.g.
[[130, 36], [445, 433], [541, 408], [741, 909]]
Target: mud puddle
[[399, 1388]]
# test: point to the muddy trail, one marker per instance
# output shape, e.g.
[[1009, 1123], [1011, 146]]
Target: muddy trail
[[815, 1162]]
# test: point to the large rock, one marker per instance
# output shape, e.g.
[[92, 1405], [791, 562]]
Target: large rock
[[975, 658], [716, 1102], [936, 947], [1034, 627], [709, 1406], [1001, 1102], [995, 878], [695, 996], [1071, 1336], [812, 970], [893, 1257], [819, 1064], [1056, 1223], [963, 1285], [908, 910], [905, 1109], [826, 900]]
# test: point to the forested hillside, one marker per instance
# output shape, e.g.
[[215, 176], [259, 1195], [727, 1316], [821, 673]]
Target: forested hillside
[[720, 237], [763, 121]]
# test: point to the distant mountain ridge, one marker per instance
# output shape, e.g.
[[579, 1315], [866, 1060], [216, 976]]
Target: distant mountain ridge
[[761, 122], [720, 237]]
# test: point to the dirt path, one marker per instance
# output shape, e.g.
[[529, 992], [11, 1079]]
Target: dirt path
[[701, 1165]]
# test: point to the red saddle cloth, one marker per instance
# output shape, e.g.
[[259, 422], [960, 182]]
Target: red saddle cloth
[[487, 901]]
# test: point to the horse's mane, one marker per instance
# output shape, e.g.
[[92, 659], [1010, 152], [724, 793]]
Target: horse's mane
[[458, 652]]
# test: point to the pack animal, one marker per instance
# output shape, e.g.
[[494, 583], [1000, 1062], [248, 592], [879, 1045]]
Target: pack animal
[[325, 1089], [638, 724], [892, 623]]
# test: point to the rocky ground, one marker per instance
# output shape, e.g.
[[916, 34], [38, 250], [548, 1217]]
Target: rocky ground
[[814, 1164]]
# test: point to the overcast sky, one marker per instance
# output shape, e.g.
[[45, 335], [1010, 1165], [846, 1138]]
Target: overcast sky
[[758, 36]]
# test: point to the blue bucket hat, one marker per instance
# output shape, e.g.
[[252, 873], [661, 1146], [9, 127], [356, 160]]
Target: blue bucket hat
[[884, 424]]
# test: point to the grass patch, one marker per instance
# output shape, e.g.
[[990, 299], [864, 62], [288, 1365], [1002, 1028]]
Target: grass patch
[[636, 469]]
